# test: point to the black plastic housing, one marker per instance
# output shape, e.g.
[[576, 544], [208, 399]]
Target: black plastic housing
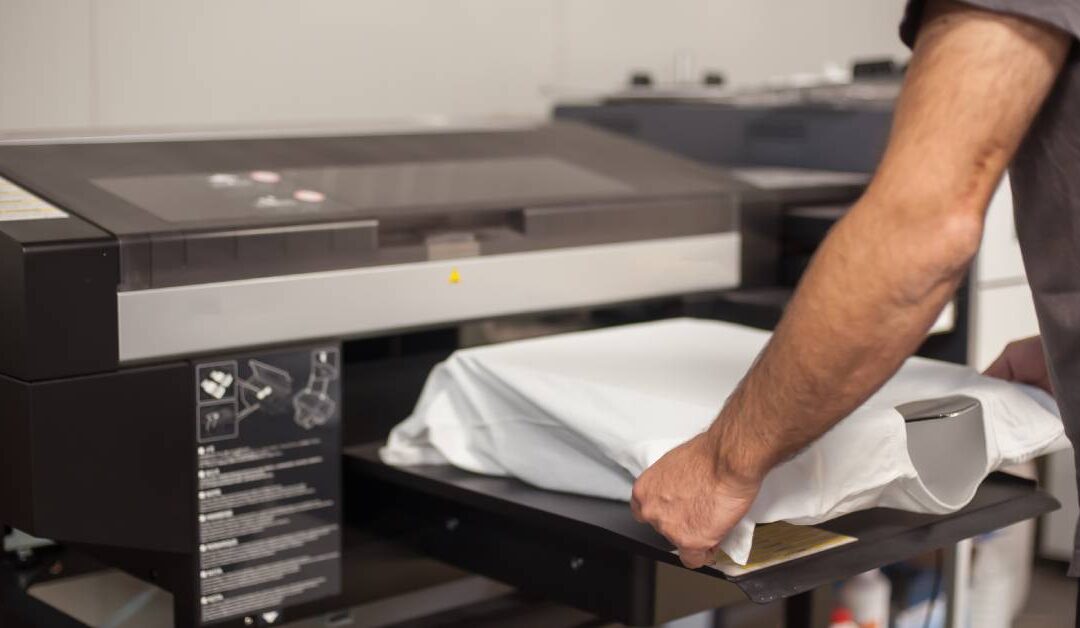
[[58, 281], [101, 459]]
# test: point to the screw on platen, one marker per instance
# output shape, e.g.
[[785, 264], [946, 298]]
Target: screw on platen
[[577, 563], [452, 524]]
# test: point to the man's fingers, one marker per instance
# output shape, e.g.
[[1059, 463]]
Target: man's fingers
[[694, 553], [695, 559], [1023, 361], [635, 508], [1001, 368], [714, 554]]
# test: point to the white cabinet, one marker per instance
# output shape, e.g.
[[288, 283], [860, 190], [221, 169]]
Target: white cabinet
[[1002, 309], [999, 260], [1001, 314]]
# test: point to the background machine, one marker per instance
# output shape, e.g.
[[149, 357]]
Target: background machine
[[816, 144]]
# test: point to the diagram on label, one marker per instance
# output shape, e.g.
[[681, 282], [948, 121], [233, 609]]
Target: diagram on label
[[313, 406], [268, 388], [226, 396], [215, 397], [217, 422], [217, 384]]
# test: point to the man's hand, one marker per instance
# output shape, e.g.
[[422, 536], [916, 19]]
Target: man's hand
[[688, 500], [1023, 361]]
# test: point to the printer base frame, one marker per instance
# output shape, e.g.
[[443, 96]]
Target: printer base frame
[[590, 553]]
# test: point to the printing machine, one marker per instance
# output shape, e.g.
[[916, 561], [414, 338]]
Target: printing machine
[[204, 336], [839, 127]]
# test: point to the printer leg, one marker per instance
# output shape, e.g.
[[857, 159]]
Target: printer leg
[[798, 610], [958, 578]]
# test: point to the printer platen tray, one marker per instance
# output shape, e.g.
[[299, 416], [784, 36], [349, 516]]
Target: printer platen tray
[[592, 554]]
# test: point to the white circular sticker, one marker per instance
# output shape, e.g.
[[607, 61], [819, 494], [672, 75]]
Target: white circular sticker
[[225, 180], [309, 196]]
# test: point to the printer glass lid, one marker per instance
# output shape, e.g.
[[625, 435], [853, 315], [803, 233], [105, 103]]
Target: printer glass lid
[[373, 190], [174, 187]]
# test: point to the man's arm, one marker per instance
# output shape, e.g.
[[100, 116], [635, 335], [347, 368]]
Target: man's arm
[[975, 83]]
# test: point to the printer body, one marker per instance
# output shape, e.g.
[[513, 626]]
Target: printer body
[[195, 329]]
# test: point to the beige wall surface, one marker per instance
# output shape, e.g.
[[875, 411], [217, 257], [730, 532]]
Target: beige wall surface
[[79, 63]]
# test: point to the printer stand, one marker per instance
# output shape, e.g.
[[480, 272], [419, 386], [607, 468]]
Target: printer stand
[[591, 553]]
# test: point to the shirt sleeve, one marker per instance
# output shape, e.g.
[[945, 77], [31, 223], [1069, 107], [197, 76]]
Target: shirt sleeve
[[1063, 14]]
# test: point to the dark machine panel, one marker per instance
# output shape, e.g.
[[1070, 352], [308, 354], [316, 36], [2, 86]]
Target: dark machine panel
[[51, 269], [219, 480], [100, 459]]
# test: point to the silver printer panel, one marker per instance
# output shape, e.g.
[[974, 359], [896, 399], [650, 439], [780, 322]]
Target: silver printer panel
[[201, 318]]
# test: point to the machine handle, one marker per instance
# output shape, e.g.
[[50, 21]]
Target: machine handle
[[939, 408]]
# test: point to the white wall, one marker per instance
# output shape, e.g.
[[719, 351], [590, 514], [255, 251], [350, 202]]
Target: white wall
[[78, 63]]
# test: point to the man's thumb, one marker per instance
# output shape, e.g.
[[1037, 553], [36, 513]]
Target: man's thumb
[[1001, 369]]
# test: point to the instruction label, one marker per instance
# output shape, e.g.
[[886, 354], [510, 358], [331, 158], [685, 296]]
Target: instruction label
[[268, 431], [19, 204]]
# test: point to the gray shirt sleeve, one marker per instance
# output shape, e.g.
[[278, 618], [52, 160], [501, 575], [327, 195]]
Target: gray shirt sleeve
[[1064, 14]]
